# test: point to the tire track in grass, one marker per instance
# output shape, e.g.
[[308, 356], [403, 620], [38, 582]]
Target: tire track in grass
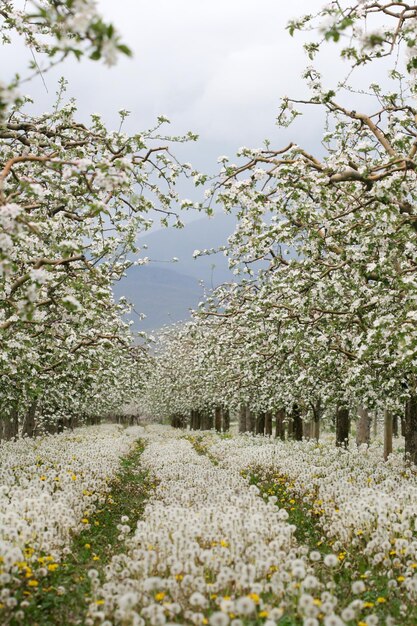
[[352, 567], [378, 598], [62, 597]]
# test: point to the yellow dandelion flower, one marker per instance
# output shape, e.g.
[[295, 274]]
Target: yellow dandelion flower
[[253, 596]]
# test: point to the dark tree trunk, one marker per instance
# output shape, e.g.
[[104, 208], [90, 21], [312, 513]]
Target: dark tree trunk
[[242, 418], [315, 426], [226, 420], [218, 418], [198, 420], [411, 429], [279, 424], [260, 423], [395, 429], [207, 420], [175, 421], [290, 427], [297, 423], [387, 434], [342, 426], [250, 421], [30, 423], [11, 423], [268, 423]]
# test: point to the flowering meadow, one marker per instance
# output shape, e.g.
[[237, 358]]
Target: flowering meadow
[[314, 336], [216, 547], [49, 488]]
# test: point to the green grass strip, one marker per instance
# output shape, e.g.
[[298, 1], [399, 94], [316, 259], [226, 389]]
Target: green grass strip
[[379, 598], [62, 597]]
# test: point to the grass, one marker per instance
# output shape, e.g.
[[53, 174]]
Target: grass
[[62, 597], [306, 516]]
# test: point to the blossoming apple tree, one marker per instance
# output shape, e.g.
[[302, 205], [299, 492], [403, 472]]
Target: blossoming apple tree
[[72, 199], [327, 314]]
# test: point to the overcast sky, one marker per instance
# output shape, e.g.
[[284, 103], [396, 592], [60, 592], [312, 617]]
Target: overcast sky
[[216, 67]]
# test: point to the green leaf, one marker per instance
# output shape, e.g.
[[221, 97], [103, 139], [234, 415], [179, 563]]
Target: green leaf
[[96, 55], [124, 49]]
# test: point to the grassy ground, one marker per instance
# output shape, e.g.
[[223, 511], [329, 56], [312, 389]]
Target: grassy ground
[[379, 599], [63, 596]]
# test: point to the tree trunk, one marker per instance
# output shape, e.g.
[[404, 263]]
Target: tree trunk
[[175, 420], [387, 434], [395, 421], [207, 421], [376, 424], [11, 423], [260, 423], [268, 423], [297, 423], [316, 430], [317, 413], [226, 420], [308, 429], [242, 418], [29, 423], [411, 429], [342, 426], [250, 421], [218, 418], [290, 427], [363, 430], [197, 419], [279, 424]]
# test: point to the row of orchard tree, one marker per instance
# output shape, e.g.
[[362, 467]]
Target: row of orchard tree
[[73, 198], [321, 322]]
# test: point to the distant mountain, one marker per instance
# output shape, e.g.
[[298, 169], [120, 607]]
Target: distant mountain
[[163, 295], [201, 234], [165, 290]]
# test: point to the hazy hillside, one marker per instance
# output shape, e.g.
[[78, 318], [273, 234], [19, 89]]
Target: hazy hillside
[[163, 295], [201, 234], [164, 290]]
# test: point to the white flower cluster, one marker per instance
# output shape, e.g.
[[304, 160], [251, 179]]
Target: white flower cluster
[[209, 550], [48, 488], [362, 503]]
